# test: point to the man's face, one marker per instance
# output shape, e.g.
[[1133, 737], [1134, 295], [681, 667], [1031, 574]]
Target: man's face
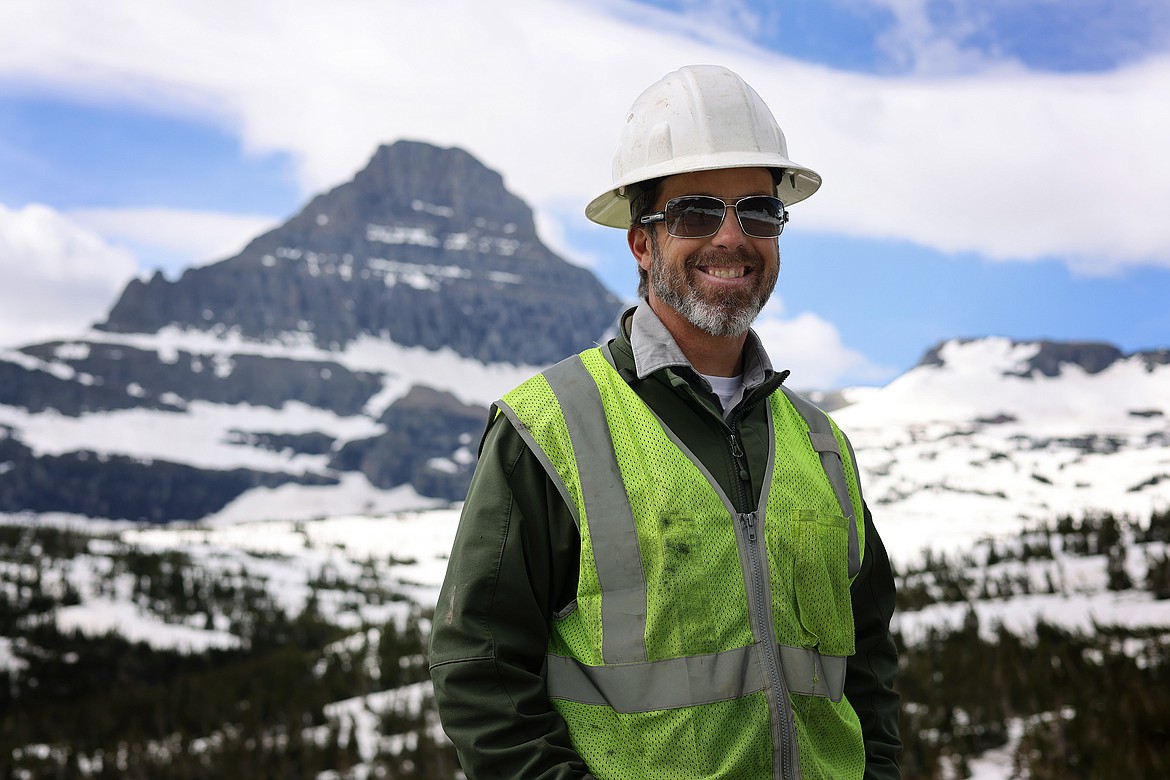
[[719, 283]]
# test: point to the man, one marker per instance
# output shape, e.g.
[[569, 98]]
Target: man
[[664, 567]]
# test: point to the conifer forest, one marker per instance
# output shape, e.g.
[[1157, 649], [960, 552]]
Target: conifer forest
[[313, 693]]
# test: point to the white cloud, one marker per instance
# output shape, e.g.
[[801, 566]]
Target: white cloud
[[967, 36], [713, 20], [917, 42], [811, 348], [1011, 165], [59, 277], [197, 237], [999, 161]]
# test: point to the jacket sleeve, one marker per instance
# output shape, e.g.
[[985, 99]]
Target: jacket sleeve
[[513, 562], [869, 680]]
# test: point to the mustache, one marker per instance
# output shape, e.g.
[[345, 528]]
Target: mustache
[[720, 257]]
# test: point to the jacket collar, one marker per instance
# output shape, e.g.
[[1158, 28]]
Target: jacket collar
[[655, 349]]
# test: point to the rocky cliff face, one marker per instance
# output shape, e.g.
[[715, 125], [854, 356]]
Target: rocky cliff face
[[424, 246], [350, 353]]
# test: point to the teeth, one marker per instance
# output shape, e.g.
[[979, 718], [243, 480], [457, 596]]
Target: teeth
[[725, 273]]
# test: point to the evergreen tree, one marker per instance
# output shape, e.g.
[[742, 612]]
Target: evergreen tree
[[1158, 576], [1118, 577]]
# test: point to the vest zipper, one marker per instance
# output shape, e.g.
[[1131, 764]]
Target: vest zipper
[[749, 522], [784, 730], [758, 603], [739, 464]]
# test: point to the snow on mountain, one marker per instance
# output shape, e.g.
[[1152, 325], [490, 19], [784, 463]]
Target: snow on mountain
[[408, 549], [342, 362], [215, 435], [471, 381], [98, 616], [986, 435], [1069, 591], [411, 546]]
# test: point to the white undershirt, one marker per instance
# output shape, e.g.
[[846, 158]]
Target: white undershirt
[[726, 387]]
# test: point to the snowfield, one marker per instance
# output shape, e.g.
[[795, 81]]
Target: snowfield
[[977, 448], [973, 448]]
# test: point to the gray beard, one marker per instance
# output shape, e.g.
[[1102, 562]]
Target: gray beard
[[713, 318], [726, 318]]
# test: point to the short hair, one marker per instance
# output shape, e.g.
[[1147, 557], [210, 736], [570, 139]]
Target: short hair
[[643, 196]]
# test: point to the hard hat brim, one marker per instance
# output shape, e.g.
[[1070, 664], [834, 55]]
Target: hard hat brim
[[612, 208]]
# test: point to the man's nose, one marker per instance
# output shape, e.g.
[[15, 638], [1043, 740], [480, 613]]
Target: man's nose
[[730, 234]]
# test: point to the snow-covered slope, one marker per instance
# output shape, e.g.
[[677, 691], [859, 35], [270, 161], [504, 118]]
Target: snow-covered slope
[[985, 435], [220, 436], [342, 361]]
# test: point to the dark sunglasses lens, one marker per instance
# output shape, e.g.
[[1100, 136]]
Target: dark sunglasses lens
[[761, 216], [699, 216], [694, 216]]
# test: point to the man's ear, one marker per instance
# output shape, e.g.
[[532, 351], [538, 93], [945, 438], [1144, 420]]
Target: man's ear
[[639, 241]]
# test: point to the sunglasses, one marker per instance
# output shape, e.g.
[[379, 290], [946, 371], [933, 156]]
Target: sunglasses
[[700, 216]]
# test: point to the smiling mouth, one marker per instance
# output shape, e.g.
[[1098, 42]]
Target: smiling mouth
[[735, 272]]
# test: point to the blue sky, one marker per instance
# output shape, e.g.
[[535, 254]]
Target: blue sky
[[990, 167]]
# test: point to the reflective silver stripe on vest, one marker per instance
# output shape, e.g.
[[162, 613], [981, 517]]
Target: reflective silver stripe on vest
[[809, 673], [853, 460], [607, 509], [825, 444], [691, 680], [539, 452]]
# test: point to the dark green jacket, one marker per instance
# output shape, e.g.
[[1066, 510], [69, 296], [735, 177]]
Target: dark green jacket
[[514, 566]]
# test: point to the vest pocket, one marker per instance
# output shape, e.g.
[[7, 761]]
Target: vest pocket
[[821, 580]]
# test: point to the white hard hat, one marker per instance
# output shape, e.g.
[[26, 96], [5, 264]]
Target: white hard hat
[[699, 118]]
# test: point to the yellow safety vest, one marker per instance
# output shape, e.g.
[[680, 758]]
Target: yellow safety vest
[[674, 663]]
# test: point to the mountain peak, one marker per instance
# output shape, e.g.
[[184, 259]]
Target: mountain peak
[[457, 184], [1023, 358], [423, 247], [440, 190]]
